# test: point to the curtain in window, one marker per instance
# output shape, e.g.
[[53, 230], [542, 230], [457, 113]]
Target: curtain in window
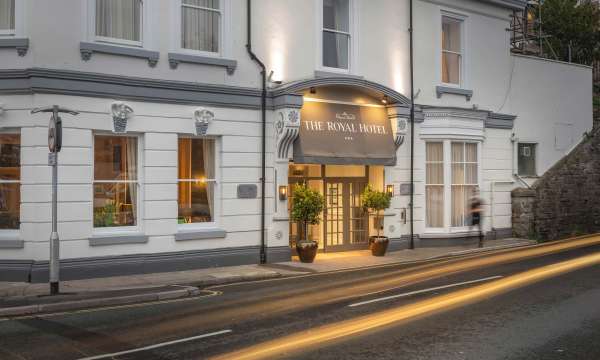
[[131, 171], [10, 175], [209, 171], [464, 180], [7, 14], [451, 50], [185, 172], [336, 38], [200, 25], [434, 190], [119, 19]]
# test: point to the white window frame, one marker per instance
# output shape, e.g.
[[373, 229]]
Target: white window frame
[[14, 233], [224, 30], [89, 9], [352, 42], [120, 230], [19, 29], [448, 229], [216, 193], [535, 160], [463, 73]]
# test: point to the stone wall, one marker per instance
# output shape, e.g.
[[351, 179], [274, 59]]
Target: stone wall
[[566, 200]]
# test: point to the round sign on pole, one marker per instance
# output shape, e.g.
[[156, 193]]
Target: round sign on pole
[[55, 134]]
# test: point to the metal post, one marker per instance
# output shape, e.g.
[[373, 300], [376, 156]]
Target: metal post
[[54, 145]]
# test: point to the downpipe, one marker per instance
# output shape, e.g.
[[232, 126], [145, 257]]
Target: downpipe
[[263, 106]]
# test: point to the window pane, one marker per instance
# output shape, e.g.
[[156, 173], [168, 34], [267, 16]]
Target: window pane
[[451, 68], [10, 206], [459, 205], [451, 34], [471, 152], [115, 158], [211, 4], [336, 15], [471, 174], [7, 14], [527, 160], [435, 173], [434, 151], [335, 50], [115, 204], [119, 19], [435, 206], [200, 28], [458, 152], [10, 156], [196, 162]]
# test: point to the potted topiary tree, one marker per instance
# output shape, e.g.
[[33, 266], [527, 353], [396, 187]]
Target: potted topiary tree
[[375, 202], [306, 208]]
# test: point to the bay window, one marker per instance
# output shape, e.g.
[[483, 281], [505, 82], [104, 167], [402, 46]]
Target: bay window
[[7, 17], [452, 50], [119, 21], [10, 181], [201, 25], [434, 184], [196, 181], [464, 181], [336, 34], [452, 172], [115, 181]]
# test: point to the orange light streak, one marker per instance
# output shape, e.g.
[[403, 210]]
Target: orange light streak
[[313, 338]]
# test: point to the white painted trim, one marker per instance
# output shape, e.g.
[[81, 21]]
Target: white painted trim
[[463, 18], [224, 31], [217, 193], [309, 99], [146, 23], [353, 41], [121, 230]]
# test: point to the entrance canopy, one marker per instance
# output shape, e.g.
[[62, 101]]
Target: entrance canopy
[[344, 133]]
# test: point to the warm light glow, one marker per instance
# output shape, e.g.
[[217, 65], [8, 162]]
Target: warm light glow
[[283, 192], [389, 190], [316, 337]]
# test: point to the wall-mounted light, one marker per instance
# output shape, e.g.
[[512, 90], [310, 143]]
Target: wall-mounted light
[[313, 90], [283, 192], [389, 190], [384, 99]]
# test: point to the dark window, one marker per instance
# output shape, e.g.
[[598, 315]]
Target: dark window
[[527, 160]]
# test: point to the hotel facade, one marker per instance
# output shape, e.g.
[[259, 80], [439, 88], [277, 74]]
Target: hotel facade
[[162, 169]]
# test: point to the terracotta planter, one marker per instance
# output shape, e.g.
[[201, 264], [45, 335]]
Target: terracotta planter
[[378, 245], [307, 250]]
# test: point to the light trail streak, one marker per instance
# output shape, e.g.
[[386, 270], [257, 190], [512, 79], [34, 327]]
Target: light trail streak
[[312, 338]]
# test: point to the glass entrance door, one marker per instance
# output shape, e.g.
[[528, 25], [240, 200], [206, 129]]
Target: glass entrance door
[[346, 222]]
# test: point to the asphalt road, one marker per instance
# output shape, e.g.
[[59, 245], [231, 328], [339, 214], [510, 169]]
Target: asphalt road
[[556, 318]]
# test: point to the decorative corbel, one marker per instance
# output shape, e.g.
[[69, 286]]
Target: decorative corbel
[[287, 128], [121, 112], [203, 119], [401, 126]]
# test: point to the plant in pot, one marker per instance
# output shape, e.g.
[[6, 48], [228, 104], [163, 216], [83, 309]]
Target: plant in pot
[[306, 208], [376, 201]]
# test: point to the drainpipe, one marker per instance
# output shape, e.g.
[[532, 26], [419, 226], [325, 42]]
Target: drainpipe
[[412, 130], [263, 106]]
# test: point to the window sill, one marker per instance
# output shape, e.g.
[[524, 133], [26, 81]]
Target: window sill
[[88, 48], [441, 90], [20, 44], [118, 239], [11, 240], [200, 234], [176, 58]]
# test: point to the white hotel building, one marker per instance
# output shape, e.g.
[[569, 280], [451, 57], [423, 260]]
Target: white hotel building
[[161, 170]]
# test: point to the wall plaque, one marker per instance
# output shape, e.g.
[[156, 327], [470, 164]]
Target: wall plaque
[[405, 189], [247, 191]]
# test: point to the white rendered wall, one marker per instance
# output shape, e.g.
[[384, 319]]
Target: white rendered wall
[[552, 101], [237, 133]]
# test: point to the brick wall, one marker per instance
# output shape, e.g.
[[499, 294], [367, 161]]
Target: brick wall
[[566, 200]]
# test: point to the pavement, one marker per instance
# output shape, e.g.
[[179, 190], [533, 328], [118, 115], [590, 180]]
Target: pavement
[[27, 299]]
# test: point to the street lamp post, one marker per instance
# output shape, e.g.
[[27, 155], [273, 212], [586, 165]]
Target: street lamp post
[[54, 145]]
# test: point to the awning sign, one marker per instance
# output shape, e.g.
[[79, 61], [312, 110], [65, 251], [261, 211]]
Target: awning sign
[[332, 133]]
